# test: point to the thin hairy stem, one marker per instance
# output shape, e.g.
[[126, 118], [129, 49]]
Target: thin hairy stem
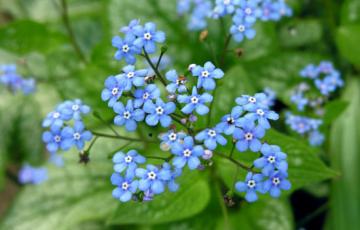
[[241, 165], [158, 74]]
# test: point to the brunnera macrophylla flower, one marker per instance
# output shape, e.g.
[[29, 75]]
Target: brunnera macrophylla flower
[[32, 175], [253, 184], [159, 112], [128, 162], [125, 187], [142, 95], [14, 81], [148, 36], [211, 137], [128, 115], [272, 158], [248, 136], [206, 75], [152, 178], [187, 153], [195, 102], [76, 136]]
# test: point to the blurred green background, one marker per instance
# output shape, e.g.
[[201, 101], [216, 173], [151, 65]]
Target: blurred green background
[[34, 35]]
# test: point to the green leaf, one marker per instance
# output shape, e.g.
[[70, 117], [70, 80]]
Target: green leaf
[[73, 194], [344, 152], [235, 83], [333, 110], [347, 40], [166, 208], [27, 36], [300, 33], [350, 12], [305, 167], [265, 215]]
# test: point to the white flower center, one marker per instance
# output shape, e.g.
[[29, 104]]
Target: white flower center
[[159, 110], [146, 95], [147, 36], [187, 153], [248, 136], [128, 159], [260, 112], [205, 73], [251, 183], [130, 74], [114, 91], [151, 175], [241, 28], [57, 138], [271, 159], [56, 115], [75, 107], [127, 114], [248, 11], [194, 100], [276, 180], [252, 99], [125, 48], [172, 136], [212, 133], [227, 2], [77, 136], [125, 185]]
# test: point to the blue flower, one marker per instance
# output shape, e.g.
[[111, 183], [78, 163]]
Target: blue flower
[[32, 175], [271, 97], [159, 111], [248, 136], [177, 82], [171, 183], [206, 75], [316, 138], [133, 77], [310, 71], [54, 139], [57, 117], [183, 6], [241, 29], [262, 116], [195, 101], [230, 121], [129, 29], [277, 181], [187, 153], [128, 161], [127, 115], [126, 49], [253, 183], [284, 9], [77, 108], [114, 87], [126, 187], [152, 178], [28, 86], [300, 101], [211, 137], [76, 136], [148, 36], [272, 158], [326, 67], [170, 137], [252, 103], [199, 14], [143, 95], [249, 10], [224, 7]]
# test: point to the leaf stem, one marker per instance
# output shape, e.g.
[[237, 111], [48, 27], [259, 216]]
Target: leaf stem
[[70, 31], [121, 137], [241, 165]]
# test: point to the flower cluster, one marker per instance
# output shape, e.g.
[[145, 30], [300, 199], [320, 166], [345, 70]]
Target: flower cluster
[[136, 39], [244, 14], [311, 94], [130, 179], [137, 98], [66, 128], [32, 175], [307, 127], [14, 82]]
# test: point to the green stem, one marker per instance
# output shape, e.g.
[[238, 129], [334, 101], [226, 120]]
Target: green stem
[[97, 115], [110, 155], [66, 20], [158, 74], [87, 151], [120, 137], [241, 165]]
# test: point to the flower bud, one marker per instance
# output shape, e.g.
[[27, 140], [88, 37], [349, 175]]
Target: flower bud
[[208, 154]]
